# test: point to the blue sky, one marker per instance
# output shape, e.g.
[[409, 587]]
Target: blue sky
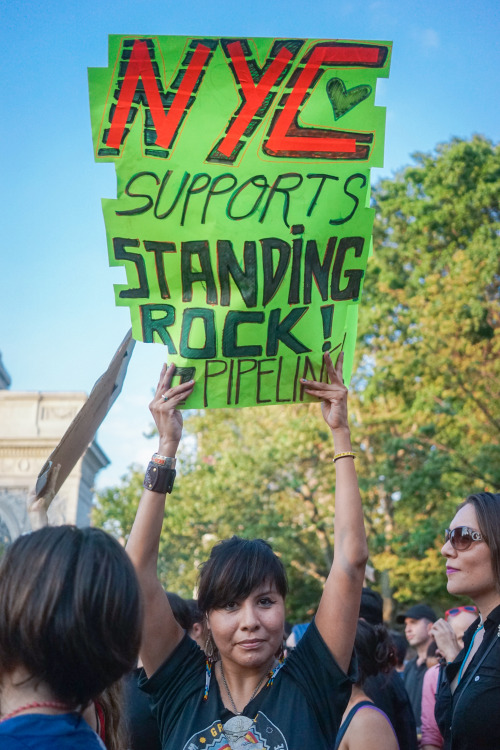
[[58, 322]]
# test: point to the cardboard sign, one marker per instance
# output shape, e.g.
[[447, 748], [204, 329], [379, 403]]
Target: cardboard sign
[[241, 216], [84, 426]]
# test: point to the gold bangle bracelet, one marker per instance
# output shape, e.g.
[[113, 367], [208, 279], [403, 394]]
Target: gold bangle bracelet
[[346, 454]]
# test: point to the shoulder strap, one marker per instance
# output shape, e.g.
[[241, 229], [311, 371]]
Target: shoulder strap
[[345, 724]]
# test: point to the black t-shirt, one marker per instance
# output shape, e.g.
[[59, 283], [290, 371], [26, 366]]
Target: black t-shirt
[[301, 710], [470, 718], [141, 724]]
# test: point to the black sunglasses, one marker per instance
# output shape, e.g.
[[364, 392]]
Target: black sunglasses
[[462, 537]]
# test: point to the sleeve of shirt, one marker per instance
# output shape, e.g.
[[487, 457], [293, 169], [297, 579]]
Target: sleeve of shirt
[[430, 732], [325, 685], [181, 675]]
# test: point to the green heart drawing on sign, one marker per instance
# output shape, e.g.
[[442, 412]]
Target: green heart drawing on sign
[[343, 100]]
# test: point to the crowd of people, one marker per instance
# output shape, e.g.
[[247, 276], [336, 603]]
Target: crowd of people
[[95, 654]]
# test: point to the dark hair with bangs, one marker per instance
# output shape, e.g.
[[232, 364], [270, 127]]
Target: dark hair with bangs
[[235, 568], [70, 611], [487, 507]]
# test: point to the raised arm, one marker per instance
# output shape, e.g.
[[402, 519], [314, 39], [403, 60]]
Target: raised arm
[[338, 610], [161, 632]]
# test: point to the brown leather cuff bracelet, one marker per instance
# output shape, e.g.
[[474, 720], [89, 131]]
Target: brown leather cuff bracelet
[[158, 478]]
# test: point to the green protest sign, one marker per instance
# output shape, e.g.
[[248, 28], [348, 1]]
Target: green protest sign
[[242, 214]]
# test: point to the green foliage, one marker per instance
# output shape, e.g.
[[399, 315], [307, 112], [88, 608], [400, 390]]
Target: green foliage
[[429, 356], [425, 406], [115, 508], [251, 477]]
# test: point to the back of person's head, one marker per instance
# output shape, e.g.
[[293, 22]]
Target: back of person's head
[[180, 610], [374, 649], [70, 611], [487, 507], [400, 645], [235, 568], [371, 607], [195, 612], [198, 630]]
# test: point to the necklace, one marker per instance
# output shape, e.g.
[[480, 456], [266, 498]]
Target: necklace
[[235, 711], [479, 627], [35, 704]]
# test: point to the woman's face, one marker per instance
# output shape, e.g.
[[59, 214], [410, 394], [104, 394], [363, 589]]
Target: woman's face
[[249, 632], [470, 571], [460, 623]]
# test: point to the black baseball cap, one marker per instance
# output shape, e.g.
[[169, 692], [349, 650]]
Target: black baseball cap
[[417, 612], [371, 608]]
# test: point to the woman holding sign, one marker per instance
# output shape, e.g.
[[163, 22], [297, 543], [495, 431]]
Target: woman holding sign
[[242, 693]]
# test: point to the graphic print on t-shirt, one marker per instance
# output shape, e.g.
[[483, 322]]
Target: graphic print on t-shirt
[[239, 733]]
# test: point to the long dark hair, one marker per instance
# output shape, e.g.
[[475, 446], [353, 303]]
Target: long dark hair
[[487, 507], [235, 568]]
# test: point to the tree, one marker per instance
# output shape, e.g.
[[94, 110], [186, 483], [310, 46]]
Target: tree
[[429, 356], [258, 472]]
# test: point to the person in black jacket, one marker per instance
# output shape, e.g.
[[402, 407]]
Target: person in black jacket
[[469, 694]]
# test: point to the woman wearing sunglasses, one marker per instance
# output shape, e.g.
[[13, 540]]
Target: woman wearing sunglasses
[[469, 694]]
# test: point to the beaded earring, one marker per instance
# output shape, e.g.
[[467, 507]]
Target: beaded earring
[[274, 671], [211, 653], [210, 648]]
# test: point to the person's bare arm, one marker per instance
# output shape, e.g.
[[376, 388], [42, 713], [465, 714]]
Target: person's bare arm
[[161, 632], [369, 729], [338, 610]]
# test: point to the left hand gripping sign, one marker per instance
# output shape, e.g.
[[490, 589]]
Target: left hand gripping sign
[[241, 217]]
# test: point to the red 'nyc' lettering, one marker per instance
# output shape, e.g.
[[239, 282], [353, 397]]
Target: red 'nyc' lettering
[[140, 67], [256, 97], [287, 139]]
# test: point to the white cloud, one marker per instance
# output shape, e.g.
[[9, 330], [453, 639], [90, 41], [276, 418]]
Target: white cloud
[[428, 38]]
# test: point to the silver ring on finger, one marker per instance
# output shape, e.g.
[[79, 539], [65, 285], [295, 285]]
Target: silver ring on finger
[[164, 397]]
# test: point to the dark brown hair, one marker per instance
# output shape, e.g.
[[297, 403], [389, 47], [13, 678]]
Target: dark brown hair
[[374, 649], [197, 615], [180, 610], [235, 568], [70, 611], [487, 507]]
